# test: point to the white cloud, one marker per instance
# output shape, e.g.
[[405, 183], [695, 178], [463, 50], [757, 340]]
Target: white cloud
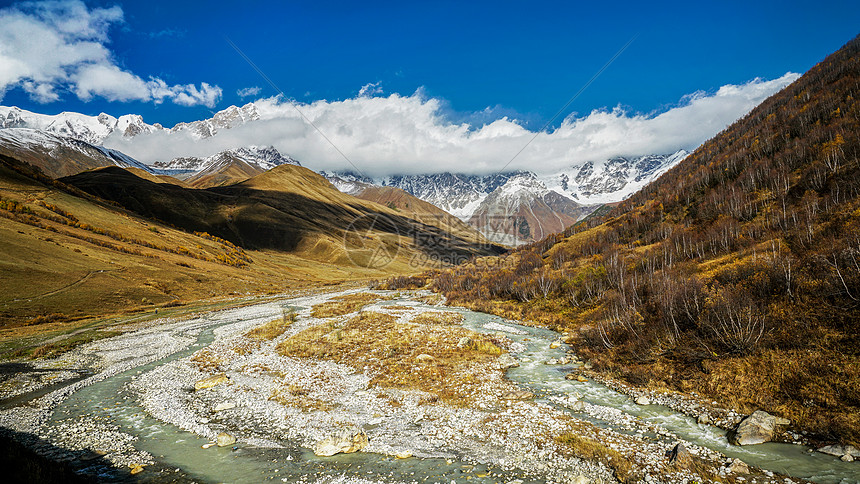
[[370, 89], [410, 134], [248, 91], [109, 82], [54, 46], [189, 95]]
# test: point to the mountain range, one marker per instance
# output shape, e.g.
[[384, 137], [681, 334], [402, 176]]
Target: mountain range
[[736, 274], [511, 208]]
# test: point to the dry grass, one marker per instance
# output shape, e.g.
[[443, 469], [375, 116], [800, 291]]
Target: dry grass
[[394, 307], [388, 350], [273, 328], [590, 449], [206, 361], [346, 304], [438, 317], [296, 396], [430, 299], [52, 350]]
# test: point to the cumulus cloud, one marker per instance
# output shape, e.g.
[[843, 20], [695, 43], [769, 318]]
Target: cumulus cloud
[[370, 89], [54, 46], [412, 134], [248, 91]]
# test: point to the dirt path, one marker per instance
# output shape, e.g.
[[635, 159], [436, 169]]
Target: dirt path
[[73, 284]]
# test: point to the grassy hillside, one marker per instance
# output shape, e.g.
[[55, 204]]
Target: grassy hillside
[[413, 207], [288, 208], [69, 254], [735, 275], [235, 171]]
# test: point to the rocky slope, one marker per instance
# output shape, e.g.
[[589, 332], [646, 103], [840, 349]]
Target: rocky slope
[[59, 156], [225, 167]]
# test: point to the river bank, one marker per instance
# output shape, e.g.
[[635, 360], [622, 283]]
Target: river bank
[[139, 410]]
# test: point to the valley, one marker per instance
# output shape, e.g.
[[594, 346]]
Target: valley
[[408, 265], [145, 408]]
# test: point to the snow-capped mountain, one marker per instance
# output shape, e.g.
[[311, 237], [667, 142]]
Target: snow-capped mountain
[[96, 129], [510, 208], [262, 157], [460, 195], [45, 149], [226, 167], [539, 204], [349, 182], [225, 119], [91, 129], [611, 180], [523, 209]]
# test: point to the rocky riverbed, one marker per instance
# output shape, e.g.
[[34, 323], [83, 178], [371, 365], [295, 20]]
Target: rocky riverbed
[[279, 408]]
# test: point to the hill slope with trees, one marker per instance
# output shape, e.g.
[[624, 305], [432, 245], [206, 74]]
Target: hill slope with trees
[[735, 275]]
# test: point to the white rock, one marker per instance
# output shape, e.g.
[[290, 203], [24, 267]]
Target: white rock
[[224, 406]]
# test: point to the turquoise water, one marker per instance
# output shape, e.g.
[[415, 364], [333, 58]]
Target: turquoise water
[[174, 447]]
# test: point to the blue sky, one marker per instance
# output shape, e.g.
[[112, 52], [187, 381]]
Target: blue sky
[[522, 59], [406, 87]]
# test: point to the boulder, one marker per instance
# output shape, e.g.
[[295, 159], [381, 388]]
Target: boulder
[[581, 379], [403, 455], [507, 361], [643, 400], [834, 450], [346, 441], [847, 458], [211, 381], [424, 358], [554, 345], [224, 439], [464, 342], [839, 450], [224, 406], [680, 456], [552, 362], [572, 402], [758, 428], [580, 479], [737, 466], [703, 419], [518, 395]]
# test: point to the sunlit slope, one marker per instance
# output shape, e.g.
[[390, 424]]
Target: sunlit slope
[[413, 207], [72, 253], [735, 275]]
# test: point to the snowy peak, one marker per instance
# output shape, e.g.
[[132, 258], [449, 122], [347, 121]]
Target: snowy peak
[[59, 156], [349, 182], [457, 194], [510, 208], [95, 129], [523, 210], [262, 158], [225, 119], [611, 180]]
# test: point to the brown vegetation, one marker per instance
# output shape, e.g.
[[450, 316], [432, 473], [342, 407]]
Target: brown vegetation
[[734, 275], [591, 449], [345, 304], [388, 351], [438, 317], [273, 328]]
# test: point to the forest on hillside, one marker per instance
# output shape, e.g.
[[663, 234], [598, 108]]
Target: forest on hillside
[[735, 275]]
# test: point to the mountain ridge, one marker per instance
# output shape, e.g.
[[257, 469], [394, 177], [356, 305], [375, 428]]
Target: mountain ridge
[[732, 275]]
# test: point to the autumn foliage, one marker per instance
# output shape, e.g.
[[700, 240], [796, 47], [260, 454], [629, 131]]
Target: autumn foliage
[[736, 274]]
